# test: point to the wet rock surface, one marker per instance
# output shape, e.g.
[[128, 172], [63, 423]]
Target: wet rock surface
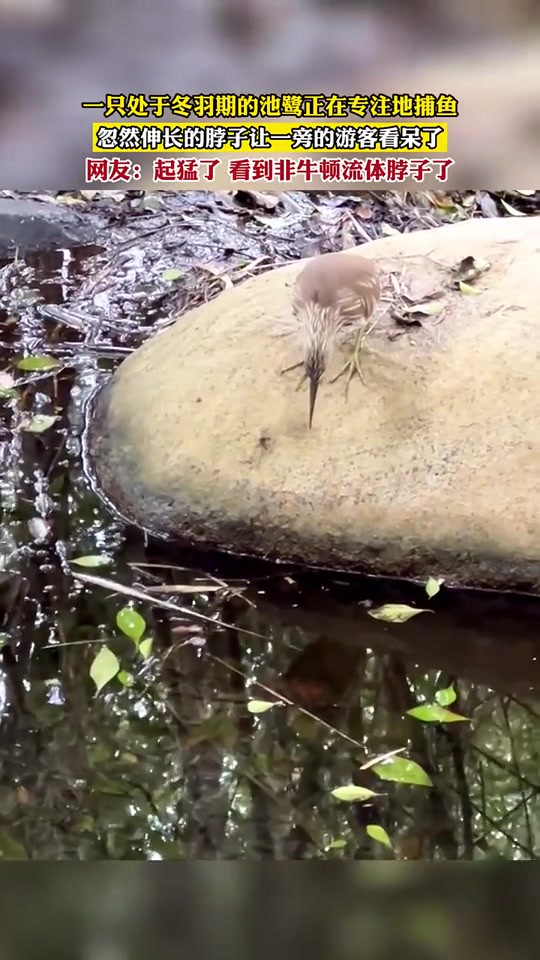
[[431, 468]]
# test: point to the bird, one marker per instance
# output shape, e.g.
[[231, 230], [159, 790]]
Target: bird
[[334, 295]]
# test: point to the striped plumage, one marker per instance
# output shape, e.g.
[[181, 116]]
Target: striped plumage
[[334, 295]]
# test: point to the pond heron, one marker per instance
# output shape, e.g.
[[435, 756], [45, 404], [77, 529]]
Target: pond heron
[[334, 296]]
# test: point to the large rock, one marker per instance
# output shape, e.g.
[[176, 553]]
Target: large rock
[[431, 468]]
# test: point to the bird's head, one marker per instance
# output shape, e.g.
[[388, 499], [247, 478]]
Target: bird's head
[[317, 324], [314, 367]]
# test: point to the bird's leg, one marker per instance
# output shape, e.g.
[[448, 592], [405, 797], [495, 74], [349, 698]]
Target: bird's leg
[[353, 365], [295, 366]]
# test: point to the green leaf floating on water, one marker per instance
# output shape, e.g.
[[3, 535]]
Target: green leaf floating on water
[[172, 273], [39, 423], [145, 647], [261, 706], [396, 612], [92, 560], [402, 770], [104, 667], [131, 623], [445, 697], [338, 844], [434, 713], [33, 364], [350, 793], [433, 586], [379, 834], [125, 678]]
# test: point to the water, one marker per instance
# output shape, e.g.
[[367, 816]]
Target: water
[[167, 761]]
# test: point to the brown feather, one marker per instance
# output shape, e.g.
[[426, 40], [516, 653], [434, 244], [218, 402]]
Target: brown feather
[[334, 294], [345, 282]]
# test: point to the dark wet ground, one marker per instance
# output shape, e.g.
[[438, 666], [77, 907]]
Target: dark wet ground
[[168, 761]]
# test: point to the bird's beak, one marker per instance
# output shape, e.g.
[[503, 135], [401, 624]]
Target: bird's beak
[[313, 387]]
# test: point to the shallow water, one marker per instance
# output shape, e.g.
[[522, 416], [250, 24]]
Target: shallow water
[[167, 761]]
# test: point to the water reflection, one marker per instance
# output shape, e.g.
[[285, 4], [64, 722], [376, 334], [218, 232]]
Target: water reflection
[[174, 766]]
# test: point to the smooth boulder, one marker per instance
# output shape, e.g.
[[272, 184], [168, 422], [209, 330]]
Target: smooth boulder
[[429, 468]]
